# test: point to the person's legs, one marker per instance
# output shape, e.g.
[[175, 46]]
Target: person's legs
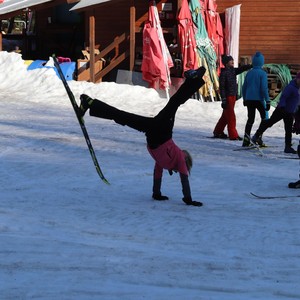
[[231, 119], [102, 110], [158, 129], [251, 108], [261, 109], [252, 105], [277, 115], [220, 126], [161, 128], [185, 92], [288, 126], [250, 121]]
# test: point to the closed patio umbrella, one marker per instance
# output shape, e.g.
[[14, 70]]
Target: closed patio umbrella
[[205, 49], [157, 60], [186, 36], [215, 29]]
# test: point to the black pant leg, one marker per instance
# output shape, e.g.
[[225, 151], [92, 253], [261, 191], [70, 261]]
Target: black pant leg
[[288, 126], [102, 110], [162, 126], [277, 115], [251, 116], [185, 92], [252, 105]]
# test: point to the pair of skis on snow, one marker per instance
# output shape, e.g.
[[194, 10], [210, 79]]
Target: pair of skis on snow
[[80, 120], [260, 151], [251, 146]]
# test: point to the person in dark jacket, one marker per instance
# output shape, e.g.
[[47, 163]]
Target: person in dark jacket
[[255, 94], [288, 103], [158, 131], [228, 92]]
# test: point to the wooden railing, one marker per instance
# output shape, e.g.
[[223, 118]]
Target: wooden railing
[[105, 61]]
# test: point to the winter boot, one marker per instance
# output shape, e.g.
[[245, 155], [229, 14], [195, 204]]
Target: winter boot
[[236, 139], [290, 149], [294, 185], [220, 136], [159, 197], [246, 141], [193, 74], [257, 140], [189, 201], [85, 103]]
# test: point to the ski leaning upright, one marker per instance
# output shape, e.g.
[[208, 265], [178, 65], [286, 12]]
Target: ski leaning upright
[[80, 120]]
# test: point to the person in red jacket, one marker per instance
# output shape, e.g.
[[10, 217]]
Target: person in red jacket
[[158, 131]]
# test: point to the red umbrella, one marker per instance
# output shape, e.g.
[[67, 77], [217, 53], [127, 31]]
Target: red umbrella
[[214, 28], [186, 35], [157, 60]]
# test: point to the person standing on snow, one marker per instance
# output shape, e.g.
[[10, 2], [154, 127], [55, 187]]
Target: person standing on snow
[[228, 91], [158, 131], [255, 94], [296, 129], [285, 110]]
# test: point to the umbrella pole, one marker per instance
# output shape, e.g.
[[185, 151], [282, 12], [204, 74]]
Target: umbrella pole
[[211, 93], [167, 94]]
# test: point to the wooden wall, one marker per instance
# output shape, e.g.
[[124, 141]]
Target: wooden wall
[[269, 26]]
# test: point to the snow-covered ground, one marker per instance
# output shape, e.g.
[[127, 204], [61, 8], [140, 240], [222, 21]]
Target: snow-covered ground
[[66, 235]]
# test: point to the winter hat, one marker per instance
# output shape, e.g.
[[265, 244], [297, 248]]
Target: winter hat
[[226, 59], [298, 75], [258, 60]]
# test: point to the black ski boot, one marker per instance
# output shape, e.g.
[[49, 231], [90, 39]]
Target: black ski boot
[[159, 197], [290, 149], [246, 141], [294, 185], [85, 103], [193, 74], [257, 140], [189, 201]]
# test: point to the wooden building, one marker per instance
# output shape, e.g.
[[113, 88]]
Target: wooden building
[[51, 28], [269, 26], [115, 27]]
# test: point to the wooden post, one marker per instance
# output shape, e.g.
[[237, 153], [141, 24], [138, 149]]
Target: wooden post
[[92, 44], [132, 35]]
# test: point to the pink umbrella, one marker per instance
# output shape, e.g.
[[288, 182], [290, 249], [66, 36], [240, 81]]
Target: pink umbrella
[[214, 28], [186, 35], [157, 60]]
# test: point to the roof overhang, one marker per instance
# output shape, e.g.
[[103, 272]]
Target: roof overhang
[[88, 3], [9, 6]]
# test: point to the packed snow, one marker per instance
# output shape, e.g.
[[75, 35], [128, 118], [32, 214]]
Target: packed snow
[[64, 234]]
